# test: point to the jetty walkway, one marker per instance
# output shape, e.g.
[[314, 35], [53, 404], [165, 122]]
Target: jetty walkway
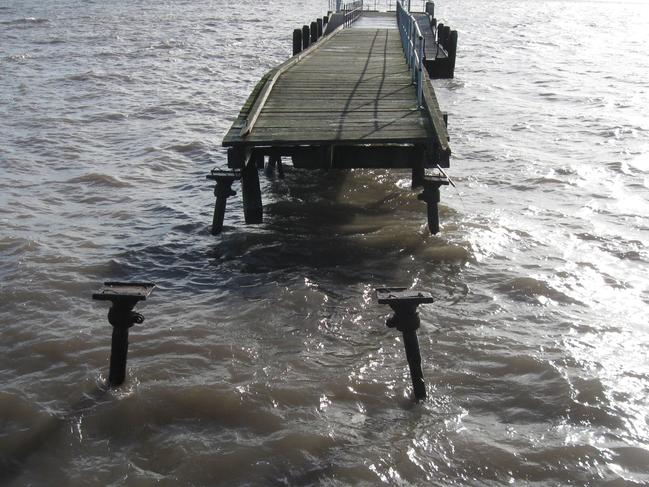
[[359, 96]]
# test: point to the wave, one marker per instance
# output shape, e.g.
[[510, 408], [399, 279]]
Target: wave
[[26, 21], [526, 288], [97, 179]]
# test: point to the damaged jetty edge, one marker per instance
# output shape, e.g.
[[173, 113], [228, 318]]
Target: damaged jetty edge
[[355, 94]]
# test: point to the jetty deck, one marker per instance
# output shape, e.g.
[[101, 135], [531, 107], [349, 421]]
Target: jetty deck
[[351, 89], [348, 100], [355, 87]]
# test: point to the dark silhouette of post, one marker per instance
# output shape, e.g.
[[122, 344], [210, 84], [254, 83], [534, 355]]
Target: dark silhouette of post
[[222, 191], [404, 303], [123, 297], [431, 196], [297, 41], [314, 32]]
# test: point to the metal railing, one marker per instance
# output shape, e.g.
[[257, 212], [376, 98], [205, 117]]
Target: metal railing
[[341, 6], [413, 47], [382, 5], [352, 10]]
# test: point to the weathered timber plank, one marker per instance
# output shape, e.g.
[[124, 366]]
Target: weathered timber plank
[[343, 125], [344, 114], [272, 77]]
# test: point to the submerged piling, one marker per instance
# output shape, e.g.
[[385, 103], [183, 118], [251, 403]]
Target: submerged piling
[[404, 303], [123, 297]]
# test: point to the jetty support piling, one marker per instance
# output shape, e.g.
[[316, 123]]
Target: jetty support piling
[[123, 297], [223, 180], [251, 193], [306, 36], [404, 303], [430, 195], [280, 167], [270, 167], [274, 164], [418, 174]]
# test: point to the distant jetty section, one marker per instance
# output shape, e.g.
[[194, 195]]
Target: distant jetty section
[[355, 94]]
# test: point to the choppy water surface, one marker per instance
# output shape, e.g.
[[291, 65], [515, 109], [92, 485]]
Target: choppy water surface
[[264, 359]]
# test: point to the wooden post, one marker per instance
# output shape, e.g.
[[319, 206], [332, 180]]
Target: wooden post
[[305, 37], [314, 32], [440, 34], [452, 53], [430, 9], [270, 166], [319, 23], [259, 160], [417, 176], [251, 192], [297, 41], [447, 35], [280, 167]]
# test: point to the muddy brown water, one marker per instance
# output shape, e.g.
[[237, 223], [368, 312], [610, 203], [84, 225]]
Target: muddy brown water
[[264, 358]]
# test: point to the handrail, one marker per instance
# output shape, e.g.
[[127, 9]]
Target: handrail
[[382, 5], [352, 15], [341, 6], [413, 47]]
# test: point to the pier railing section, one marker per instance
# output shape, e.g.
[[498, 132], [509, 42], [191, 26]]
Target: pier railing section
[[413, 46], [351, 11], [381, 5]]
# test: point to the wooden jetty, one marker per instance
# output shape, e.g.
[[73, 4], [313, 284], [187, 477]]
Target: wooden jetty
[[355, 94]]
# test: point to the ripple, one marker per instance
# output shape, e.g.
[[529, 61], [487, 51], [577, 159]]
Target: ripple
[[526, 288], [26, 21], [99, 179]]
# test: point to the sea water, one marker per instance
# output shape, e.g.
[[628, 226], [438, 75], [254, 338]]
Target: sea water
[[264, 358]]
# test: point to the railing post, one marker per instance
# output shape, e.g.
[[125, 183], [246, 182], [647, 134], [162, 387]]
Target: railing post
[[420, 78], [413, 51]]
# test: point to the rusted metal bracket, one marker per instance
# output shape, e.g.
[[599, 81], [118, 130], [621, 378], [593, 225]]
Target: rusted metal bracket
[[404, 303], [224, 178], [123, 297], [430, 195]]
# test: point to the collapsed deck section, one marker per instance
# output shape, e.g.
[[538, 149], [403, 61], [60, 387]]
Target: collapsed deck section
[[347, 101]]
